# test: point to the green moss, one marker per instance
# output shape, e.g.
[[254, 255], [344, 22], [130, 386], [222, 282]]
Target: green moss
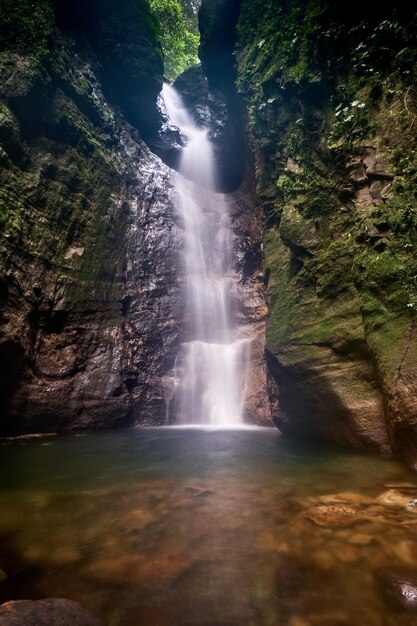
[[59, 185], [26, 27], [308, 109]]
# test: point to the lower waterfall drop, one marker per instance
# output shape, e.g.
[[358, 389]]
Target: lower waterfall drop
[[210, 372]]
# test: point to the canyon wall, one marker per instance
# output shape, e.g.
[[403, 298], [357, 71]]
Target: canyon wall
[[88, 251], [91, 276], [331, 117], [315, 130]]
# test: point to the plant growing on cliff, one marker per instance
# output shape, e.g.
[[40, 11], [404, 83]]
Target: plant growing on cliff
[[178, 34], [26, 26]]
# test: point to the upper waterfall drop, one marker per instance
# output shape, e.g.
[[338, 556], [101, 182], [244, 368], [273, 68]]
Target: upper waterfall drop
[[210, 366]]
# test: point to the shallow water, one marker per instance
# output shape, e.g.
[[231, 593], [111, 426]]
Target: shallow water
[[191, 527]]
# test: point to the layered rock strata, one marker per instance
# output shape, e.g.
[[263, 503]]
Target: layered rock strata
[[88, 253], [331, 118], [91, 283]]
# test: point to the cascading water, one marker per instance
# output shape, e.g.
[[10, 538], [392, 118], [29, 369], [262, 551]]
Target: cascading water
[[210, 380]]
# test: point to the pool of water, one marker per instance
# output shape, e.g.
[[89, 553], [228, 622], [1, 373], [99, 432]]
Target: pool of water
[[188, 527]]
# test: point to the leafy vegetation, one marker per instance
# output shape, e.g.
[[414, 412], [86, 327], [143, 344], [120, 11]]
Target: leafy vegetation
[[178, 34], [26, 27], [325, 82]]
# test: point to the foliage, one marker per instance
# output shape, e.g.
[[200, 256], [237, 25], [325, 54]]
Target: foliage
[[322, 82], [26, 26], [178, 35]]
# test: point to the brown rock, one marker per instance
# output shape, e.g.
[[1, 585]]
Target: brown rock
[[329, 618], [358, 175], [360, 540], [401, 486], [324, 560], [297, 620], [50, 612], [346, 553], [332, 515], [64, 556], [393, 498], [293, 166], [138, 518], [199, 492], [399, 586], [405, 551], [353, 498]]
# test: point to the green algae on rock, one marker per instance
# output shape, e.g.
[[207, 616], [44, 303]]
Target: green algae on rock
[[331, 118], [78, 186]]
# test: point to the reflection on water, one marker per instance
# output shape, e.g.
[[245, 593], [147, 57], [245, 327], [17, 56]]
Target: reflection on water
[[184, 527]]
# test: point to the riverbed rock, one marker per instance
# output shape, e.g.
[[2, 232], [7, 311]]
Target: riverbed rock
[[332, 515], [347, 554], [405, 551], [399, 587], [360, 539], [53, 611], [394, 499], [403, 487], [198, 492], [297, 620], [348, 497]]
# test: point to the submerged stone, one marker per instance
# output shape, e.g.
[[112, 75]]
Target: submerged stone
[[393, 498], [399, 586], [50, 612], [332, 515]]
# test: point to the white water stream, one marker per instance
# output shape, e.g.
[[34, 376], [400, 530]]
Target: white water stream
[[210, 386]]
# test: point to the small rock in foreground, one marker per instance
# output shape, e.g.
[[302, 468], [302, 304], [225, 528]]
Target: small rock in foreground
[[399, 586], [49, 612]]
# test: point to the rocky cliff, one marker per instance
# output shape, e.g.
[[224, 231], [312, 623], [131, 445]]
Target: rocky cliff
[[91, 277], [91, 281], [88, 251], [331, 117]]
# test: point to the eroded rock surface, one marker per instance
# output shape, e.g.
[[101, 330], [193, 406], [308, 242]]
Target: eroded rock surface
[[212, 109], [54, 611], [335, 163], [90, 271], [88, 253]]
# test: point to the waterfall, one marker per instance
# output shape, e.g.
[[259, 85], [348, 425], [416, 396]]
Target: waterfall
[[209, 366]]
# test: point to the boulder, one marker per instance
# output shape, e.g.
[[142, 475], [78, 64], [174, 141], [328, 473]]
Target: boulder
[[399, 586], [49, 612]]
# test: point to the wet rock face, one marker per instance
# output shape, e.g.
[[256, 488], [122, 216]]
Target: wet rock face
[[46, 612], [399, 586], [211, 109], [208, 106], [90, 273], [252, 310], [88, 255], [340, 222], [220, 113], [168, 141]]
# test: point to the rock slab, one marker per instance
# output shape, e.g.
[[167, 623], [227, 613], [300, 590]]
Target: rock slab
[[52, 611]]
